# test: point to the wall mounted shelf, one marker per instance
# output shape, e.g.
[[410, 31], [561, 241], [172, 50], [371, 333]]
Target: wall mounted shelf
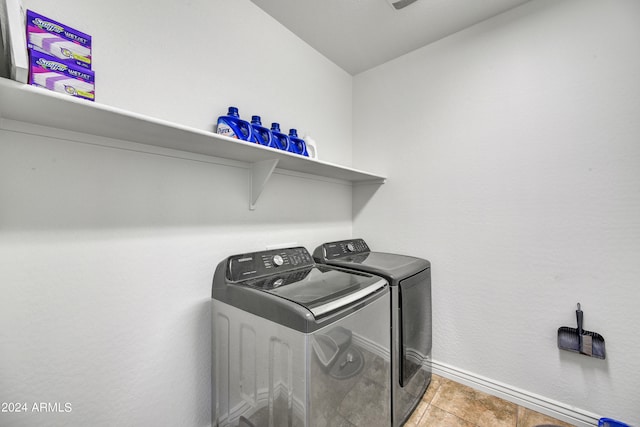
[[39, 106]]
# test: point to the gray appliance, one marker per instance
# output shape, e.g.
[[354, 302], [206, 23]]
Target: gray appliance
[[410, 310], [299, 344]]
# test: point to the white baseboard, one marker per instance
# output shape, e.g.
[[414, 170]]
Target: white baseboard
[[552, 408], [371, 346]]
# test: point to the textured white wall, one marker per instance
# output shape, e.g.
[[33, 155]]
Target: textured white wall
[[511, 150], [188, 61], [513, 156], [107, 254], [106, 261]]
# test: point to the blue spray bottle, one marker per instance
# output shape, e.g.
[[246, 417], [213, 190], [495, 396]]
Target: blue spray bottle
[[261, 134], [281, 139], [232, 126], [298, 144]]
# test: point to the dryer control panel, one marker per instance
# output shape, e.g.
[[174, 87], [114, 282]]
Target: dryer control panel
[[257, 264], [342, 248]]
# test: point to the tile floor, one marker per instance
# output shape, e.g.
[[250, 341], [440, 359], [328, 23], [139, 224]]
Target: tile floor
[[450, 404]]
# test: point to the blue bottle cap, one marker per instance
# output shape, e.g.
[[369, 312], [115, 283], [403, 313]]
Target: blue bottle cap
[[275, 127], [293, 132], [233, 111], [256, 120]]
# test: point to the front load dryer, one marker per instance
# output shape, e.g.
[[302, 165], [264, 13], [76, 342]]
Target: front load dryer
[[299, 344], [410, 315]]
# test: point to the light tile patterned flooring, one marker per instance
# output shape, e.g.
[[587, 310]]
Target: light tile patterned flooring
[[450, 404]]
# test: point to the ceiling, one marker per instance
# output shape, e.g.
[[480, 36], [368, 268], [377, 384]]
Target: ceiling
[[360, 34]]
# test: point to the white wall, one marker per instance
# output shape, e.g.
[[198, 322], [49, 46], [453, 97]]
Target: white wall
[[511, 150], [107, 249], [188, 61], [513, 156]]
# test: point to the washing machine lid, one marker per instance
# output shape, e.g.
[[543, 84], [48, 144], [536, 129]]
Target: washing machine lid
[[319, 289], [355, 254], [288, 287]]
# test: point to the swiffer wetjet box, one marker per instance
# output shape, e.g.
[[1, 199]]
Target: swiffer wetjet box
[[53, 38], [59, 76]]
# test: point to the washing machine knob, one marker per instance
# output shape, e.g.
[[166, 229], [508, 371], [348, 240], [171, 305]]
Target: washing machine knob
[[277, 260], [350, 247]]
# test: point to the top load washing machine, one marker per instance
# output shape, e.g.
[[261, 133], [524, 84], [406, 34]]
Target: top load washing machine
[[410, 283], [299, 344]]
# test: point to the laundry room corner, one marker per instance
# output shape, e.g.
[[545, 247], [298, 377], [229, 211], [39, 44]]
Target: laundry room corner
[[158, 268]]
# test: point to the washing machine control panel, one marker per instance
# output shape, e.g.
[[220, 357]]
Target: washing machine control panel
[[256, 264], [343, 248]]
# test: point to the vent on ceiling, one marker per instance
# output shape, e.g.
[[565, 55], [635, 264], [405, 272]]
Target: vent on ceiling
[[399, 4]]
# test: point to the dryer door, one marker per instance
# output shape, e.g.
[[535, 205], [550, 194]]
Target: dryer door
[[415, 324]]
